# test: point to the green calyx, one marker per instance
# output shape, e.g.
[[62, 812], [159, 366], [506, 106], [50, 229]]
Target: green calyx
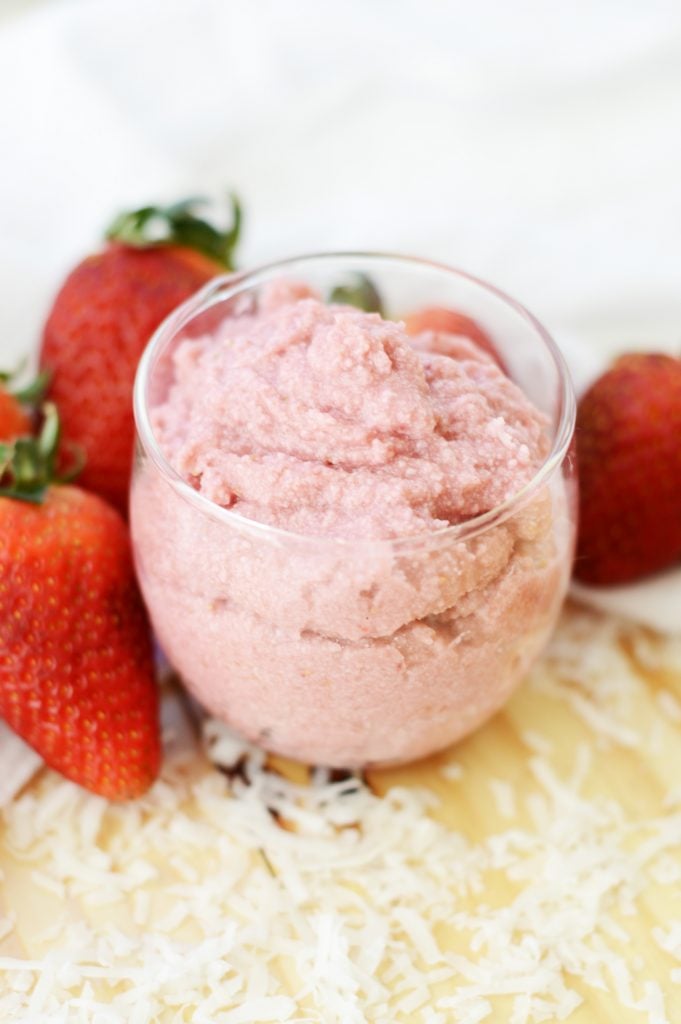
[[32, 393], [361, 292], [29, 464], [179, 224]]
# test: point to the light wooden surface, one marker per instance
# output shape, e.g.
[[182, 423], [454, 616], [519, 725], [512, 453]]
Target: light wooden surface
[[638, 699]]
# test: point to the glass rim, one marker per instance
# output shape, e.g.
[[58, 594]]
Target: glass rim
[[226, 286]]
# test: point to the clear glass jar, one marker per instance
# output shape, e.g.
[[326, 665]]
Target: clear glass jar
[[363, 651]]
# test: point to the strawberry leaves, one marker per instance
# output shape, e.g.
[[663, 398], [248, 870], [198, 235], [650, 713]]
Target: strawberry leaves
[[28, 465], [179, 224], [360, 292]]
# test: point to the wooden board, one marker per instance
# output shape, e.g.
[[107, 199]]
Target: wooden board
[[606, 703]]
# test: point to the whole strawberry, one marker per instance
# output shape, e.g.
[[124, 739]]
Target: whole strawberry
[[103, 317], [629, 456], [76, 670]]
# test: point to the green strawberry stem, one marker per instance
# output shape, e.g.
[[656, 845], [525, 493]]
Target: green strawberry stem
[[361, 292], [29, 465], [32, 393], [179, 224]]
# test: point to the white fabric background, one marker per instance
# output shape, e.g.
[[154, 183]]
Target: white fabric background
[[537, 145]]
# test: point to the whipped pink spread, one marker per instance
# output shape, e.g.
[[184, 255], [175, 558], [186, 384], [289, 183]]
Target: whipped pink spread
[[367, 632]]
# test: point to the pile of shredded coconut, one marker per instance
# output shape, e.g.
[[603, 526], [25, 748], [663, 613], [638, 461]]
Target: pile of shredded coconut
[[240, 896]]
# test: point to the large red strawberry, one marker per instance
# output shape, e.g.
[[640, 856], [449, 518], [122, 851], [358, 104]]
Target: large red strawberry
[[76, 669], [629, 456], [103, 317]]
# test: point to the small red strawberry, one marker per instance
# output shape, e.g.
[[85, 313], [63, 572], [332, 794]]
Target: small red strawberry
[[629, 457], [450, 321], [103, 317], [76, 669], [15, 406], [14, 420]]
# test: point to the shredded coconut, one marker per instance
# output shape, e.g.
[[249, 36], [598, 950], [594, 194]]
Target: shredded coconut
[[670, 705], [241, 895], [504, 797], [452, 771]]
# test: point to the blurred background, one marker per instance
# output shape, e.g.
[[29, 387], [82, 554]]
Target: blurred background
[[536, 145]]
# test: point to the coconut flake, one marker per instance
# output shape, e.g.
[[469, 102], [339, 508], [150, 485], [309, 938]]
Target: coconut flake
[[504, 797], [223, 914], [19, 764], [669, 704]]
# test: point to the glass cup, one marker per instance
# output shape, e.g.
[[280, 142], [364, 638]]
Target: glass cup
[[367, 651]]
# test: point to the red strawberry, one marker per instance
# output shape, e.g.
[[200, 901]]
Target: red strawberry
[[629, 457], [450, 321], [76, 669], [16, 406], [104, 316], [14, 420]]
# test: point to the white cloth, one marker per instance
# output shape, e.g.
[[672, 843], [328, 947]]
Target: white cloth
[[536, 145]]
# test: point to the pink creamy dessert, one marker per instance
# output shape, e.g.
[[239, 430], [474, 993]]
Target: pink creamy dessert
[[333, 614]]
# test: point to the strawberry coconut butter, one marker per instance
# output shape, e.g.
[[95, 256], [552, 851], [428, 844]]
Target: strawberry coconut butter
[[353, 541]]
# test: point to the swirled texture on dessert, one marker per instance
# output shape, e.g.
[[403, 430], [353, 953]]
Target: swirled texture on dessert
[[327, 421], [340, 642]]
